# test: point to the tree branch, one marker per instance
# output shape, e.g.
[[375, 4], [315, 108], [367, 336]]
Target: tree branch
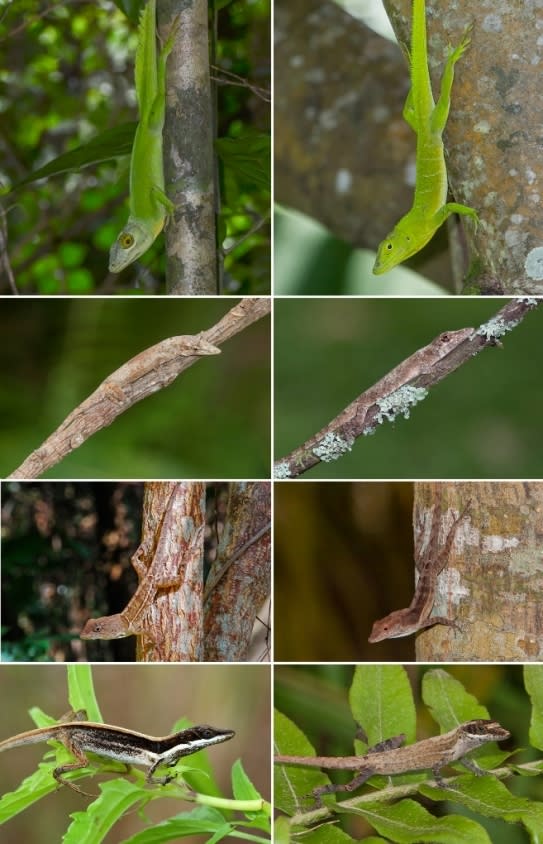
[[401, 389], [145, 374]]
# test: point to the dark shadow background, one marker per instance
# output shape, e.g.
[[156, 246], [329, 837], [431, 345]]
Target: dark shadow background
[[66, 556]]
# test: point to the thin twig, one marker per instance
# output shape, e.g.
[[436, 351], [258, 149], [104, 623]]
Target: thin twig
[[144, 374], [4, 257], [401, 389]]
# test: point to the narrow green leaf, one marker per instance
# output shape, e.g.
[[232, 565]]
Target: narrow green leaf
[[248, 157], [533, 681], [106, 146], [117, 797], [199, 821], [81, 692], [242, 787]]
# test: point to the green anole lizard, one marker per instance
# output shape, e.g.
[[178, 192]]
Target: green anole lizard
[[427, 119], [81, 737], [389, 757], [149, 205], [430, 564]]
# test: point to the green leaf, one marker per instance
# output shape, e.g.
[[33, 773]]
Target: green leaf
[[81, 692], [489, 797], [199, 821], [448, 700], [533, 680], [292, 784], [242, 787], [407, 822], [450, 705], [106, 146], [382, 702], [248, 158], [116, 798], [32, 789]]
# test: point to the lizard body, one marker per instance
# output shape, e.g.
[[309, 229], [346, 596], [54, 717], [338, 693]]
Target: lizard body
[[127, 746], [155, 571], [148, 204], [427, 119], [389, 757], [417, 616]]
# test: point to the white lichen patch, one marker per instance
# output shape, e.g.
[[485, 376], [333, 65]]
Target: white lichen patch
[[494, 544], [533, 264], [332, 447], [399, 403], [281, 471]]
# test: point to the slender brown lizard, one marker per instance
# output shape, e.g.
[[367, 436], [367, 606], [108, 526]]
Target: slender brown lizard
[[81, 736], [430, 564], [160, 573], [389, 757]]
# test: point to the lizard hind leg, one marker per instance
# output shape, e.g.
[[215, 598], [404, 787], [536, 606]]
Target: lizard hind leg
[[332, 788]]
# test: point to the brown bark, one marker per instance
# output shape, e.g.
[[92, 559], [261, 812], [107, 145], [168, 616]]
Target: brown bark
[[231, 608], [173, 622], [493, 582]]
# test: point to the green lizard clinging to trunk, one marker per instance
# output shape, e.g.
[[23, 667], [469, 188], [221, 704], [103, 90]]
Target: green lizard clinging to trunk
[[149, 205], [427, 119]]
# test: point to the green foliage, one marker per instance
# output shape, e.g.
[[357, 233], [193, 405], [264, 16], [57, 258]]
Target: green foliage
[[70, 113], [382, 701], [125, 793]]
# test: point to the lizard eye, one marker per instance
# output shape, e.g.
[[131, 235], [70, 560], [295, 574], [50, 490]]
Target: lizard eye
[[389, 246], [126, 240]]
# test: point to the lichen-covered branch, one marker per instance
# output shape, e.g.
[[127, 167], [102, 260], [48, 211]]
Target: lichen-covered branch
[[401, 389], [145, 374]]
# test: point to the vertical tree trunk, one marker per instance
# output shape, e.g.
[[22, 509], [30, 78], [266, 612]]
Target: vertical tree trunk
[[231, 607], [493, 581], [173, 622], [189, 168]]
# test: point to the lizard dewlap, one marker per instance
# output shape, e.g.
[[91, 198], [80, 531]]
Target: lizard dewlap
[[427, 119]]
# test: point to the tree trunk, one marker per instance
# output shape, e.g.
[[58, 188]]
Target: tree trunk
[[493, 581]]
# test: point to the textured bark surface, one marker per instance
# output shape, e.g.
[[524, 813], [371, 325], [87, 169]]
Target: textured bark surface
[[231, 608], [492, 131], [191, 244], [173, 622], [493, 583]]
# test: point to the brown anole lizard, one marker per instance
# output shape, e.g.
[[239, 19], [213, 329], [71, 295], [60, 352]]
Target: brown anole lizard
[[390, 396], [161, 572], [389, 757], [430, 564], [81, 737]]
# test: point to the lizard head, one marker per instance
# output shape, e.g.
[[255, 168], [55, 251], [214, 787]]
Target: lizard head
[[133, 241], [398, 246]]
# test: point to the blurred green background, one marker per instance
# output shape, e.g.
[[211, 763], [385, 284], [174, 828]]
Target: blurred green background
[[316, 699], [482, 421], [148, 699], [213, 421]]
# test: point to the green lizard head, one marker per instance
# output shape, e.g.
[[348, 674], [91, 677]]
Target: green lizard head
[[394, 249], [133, 241]]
